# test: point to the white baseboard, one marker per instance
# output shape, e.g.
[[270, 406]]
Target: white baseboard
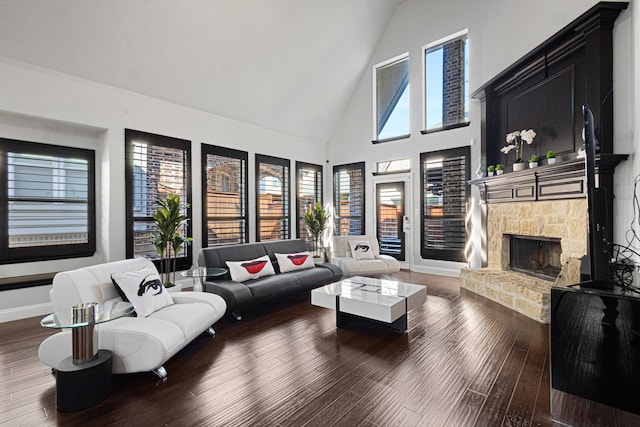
[[440, 271], [18, 313]]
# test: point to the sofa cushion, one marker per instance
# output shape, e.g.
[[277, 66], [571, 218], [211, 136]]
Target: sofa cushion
[[315, 277], [296, 261], [142, 288], [241, 271], [280, 285], [360, 249], [365, 267], [191, 318]]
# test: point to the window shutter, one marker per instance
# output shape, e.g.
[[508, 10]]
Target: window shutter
[[47, 202], [444, 189], [157, 166], [272, 175], [225, 197], [309, 186], [348, 199]]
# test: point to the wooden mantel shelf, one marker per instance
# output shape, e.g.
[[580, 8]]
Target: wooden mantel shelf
[[563, 180]]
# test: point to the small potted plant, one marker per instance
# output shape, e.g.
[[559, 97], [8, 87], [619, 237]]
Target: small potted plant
[[499, 169], [533, 161], [490, 170], [551, 157]]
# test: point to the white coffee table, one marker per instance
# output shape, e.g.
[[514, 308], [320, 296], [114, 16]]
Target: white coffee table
[[381, 301]]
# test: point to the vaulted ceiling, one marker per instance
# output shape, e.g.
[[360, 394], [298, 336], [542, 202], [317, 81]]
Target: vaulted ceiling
[[286, 65]]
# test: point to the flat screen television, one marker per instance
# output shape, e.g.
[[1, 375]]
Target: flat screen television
[[598, 248]]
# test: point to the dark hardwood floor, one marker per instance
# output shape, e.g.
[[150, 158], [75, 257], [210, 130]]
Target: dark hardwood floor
[[464, 361]]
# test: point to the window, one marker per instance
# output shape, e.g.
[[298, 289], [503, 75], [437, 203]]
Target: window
[[348, 199], [47, 202], [272, 183], [309, 191], [156, 166], [391, 97], [444, 194], [393, 166], [224, 208], [446, 83]]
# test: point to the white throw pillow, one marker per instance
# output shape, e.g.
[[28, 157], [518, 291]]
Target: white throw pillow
[[142, 288], [244, 270], [360, 249], [297, 261]]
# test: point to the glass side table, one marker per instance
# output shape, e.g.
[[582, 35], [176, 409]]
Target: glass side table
[[201, 274], [84, 379]]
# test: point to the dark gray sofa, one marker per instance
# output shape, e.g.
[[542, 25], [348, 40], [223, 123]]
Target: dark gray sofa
[[242, 297]]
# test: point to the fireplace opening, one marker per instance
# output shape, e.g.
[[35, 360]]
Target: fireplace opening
[[535, 256]]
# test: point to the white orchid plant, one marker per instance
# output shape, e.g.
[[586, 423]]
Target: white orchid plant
[[516, 140]]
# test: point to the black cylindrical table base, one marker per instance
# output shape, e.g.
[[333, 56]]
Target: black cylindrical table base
[[82, 386]]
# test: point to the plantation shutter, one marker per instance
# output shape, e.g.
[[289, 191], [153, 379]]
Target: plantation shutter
[[309, 186], [444, 196], [226, 196], [49, 210], [272, 174], [348, 199]]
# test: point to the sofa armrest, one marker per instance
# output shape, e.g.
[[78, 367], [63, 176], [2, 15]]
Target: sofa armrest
[[236, 295], [336, 270], [392, 264]]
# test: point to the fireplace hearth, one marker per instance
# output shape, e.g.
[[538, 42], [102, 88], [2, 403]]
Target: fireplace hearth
[[535, 256]]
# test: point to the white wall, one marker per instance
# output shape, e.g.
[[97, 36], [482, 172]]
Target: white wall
[[500, 32], [45, 106]]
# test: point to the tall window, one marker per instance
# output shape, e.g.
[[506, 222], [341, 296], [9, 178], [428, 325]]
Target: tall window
[[47, 202], [224, 208], [309, 191], [444, 194], [392, 99], [272, 183], [348, 199], [156, 167], [446, 83]]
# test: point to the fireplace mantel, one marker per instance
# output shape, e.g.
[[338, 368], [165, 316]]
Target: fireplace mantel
[[564, 180]]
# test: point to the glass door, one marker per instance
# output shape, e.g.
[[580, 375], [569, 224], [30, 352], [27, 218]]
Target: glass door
[[390, 211]]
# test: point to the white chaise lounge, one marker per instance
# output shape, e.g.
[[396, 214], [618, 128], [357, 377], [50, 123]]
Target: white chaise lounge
[[139, 344], [375, 265]]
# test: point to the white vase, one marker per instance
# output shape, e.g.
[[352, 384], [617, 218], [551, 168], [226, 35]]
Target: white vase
[[489, 173], [518, 167], [551, 161], [499, 171], [533, 165]]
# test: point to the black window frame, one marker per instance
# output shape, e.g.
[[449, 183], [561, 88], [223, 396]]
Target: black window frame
[[301, 229], [464, 36], [243, 157], [443, 254], [183, 262], [337, 169], [47, 252], [286, 164], [381, 116]]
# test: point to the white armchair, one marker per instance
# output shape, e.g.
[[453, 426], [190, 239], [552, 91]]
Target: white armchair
[[138, 344], [343, 258]]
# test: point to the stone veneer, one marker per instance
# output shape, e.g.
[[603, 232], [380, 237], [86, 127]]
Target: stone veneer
[[562, 219]]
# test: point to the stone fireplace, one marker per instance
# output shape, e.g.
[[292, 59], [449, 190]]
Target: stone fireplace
[[563, 221], [544, 91]]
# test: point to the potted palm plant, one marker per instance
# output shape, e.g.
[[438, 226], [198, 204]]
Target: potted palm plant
[[167, 240], [316, 219]]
